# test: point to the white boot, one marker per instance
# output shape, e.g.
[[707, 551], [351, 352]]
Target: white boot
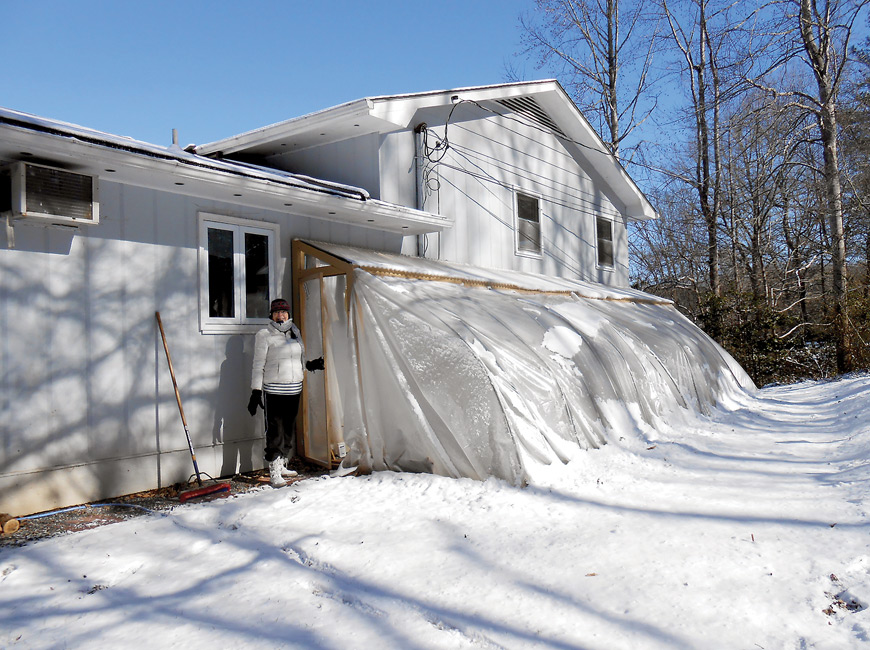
[[287, 473], [275, 478]]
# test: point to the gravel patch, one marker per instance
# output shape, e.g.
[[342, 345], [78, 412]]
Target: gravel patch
[[74, 519]]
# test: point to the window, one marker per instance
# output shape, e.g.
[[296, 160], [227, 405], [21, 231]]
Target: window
[[237, 273], [528, 224], [604, 230]]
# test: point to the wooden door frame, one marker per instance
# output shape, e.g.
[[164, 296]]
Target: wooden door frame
[[333, 266]]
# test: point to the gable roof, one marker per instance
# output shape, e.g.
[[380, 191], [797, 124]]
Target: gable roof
[[543, 104]]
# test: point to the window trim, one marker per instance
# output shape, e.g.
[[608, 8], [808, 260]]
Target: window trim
[[239, 324], [598, 263], [535, 254]]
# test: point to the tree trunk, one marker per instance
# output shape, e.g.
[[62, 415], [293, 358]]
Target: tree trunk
[[703, 163], [613, 72], [819, 56]]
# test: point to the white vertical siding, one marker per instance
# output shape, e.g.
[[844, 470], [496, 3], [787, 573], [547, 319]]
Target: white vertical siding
[[398, 172], [353, 161], [87, 408], [488, 160]]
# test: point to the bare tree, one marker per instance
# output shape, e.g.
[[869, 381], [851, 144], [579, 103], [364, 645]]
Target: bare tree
[[854, 116], [825, 28], [690, 32], [817, 33], [593, 43]]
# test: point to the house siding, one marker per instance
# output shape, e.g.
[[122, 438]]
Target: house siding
[[353, 162], [487, 162], [88, 407]]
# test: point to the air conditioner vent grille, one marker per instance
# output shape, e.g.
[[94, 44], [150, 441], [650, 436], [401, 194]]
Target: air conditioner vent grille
[[59, 193]]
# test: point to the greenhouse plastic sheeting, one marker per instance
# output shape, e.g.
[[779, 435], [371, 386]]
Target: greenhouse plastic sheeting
[[470, 381]]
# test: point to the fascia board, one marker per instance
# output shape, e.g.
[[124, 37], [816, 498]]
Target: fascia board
[[588, 145], [400, 109], [381, 114], [177, 176]]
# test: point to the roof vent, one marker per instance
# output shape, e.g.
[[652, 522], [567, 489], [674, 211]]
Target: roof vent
[[528, 107], [52, 195]]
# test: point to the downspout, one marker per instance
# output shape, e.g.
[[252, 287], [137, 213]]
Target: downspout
[[420, 181]]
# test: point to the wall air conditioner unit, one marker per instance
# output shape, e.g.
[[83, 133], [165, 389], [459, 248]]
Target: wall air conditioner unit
[[53, 196]]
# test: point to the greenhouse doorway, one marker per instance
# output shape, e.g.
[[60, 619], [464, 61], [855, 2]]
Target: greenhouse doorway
[[320, 309]]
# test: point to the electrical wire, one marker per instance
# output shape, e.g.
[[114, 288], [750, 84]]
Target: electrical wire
[[593, 209], [537, 179], [435, 155], [546, 251], [535, 125]]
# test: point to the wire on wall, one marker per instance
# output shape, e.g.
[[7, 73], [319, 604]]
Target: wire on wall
[[434, 155], [436, 146]]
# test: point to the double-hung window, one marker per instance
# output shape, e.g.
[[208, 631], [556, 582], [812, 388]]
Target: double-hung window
[[238, 276], [604, 231], [528, 224]]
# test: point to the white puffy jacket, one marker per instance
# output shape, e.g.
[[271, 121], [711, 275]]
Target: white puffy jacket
[[279, 357]]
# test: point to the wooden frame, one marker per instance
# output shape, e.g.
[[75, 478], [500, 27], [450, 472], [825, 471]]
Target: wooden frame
[[333, 266]]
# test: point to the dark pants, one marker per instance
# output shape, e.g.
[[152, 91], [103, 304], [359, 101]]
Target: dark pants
[[281, 413]]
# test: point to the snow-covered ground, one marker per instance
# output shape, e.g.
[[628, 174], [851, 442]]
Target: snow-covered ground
[[745, 529]]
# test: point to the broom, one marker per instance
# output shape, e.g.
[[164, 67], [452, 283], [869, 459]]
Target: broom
[[202, 490]]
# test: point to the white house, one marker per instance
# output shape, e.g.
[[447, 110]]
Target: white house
[[504, 188], [528, 181]]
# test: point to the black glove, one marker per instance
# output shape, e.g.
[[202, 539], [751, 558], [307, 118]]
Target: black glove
[[255, 401], [314, 364]]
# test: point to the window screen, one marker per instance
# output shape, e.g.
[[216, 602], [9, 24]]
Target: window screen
[[256, 275], [221, 299], [605, 242], [528, 224]]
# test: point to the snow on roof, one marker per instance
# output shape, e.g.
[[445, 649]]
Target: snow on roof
[[390, 264], [175, 153]]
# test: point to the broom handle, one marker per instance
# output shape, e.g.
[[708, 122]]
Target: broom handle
[[178, 398]]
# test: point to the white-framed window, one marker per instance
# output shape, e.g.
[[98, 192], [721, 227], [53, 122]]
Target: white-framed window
[[237, 273], [528, 224], [604, 242]]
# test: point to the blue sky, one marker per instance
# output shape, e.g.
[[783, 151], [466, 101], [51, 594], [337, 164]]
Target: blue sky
[[214, 68]]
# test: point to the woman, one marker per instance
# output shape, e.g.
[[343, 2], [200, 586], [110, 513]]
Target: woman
[[276, 385]]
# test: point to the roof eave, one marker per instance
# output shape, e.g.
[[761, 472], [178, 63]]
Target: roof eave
[[589, 145], [199, 177], [286, 129], [380, 114], [395, 112]]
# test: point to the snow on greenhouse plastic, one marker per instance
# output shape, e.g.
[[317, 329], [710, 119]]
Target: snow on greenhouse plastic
[[481, 373]]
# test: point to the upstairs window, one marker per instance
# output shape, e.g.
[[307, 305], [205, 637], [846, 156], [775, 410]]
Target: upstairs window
[[528, 224], [604, 230], [237, 274]]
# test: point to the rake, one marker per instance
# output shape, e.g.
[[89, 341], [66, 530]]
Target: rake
[[213, 486]]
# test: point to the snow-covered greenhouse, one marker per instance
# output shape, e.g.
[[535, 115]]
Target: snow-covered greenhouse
[[462, 371]]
